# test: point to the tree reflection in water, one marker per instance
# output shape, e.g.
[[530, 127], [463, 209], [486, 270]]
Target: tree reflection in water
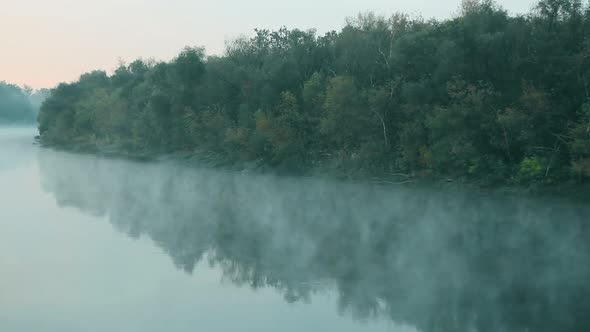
[[439, 261]]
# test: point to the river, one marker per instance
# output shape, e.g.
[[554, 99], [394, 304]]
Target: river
[[98, 244]]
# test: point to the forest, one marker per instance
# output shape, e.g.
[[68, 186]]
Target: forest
[[18, 105], [483, 96]]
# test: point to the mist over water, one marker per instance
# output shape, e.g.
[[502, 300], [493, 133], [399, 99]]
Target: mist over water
[[16, 146], [209, 250]]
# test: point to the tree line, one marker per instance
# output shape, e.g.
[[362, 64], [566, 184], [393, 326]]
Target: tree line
[[19, 105], [484, 95]]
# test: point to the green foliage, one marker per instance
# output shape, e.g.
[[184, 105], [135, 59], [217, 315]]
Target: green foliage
[[345, 113], [580, 143], [530, 169], [460, 132], [483, 95]]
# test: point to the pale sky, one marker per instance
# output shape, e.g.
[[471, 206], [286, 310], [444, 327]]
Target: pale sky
[[44, 42]]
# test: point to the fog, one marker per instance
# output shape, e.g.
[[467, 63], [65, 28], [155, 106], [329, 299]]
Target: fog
[[279, 253], [20, 106], [16, 144]]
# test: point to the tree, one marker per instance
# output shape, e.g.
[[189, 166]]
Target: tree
[[484, 95], [15, 106], [347, 121]]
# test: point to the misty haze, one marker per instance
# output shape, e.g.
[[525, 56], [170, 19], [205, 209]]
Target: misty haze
[[415, 166]]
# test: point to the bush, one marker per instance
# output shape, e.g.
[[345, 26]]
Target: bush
[[530, 169]]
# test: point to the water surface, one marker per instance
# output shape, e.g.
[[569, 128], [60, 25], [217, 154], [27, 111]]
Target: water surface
[[94, 244]]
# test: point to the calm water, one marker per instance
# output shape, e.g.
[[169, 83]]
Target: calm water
[[91, 244]]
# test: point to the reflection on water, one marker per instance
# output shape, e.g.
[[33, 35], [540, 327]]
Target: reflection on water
[[438, 261]]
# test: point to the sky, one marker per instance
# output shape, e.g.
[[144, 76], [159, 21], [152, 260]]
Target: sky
[[45, 42]]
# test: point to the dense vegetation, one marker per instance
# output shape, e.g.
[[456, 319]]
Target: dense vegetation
[[483, 95], [19, 106]]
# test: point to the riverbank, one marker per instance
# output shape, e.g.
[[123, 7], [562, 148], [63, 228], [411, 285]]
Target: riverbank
[[569, 190]]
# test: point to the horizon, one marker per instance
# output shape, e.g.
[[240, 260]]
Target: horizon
[[56, 42]]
